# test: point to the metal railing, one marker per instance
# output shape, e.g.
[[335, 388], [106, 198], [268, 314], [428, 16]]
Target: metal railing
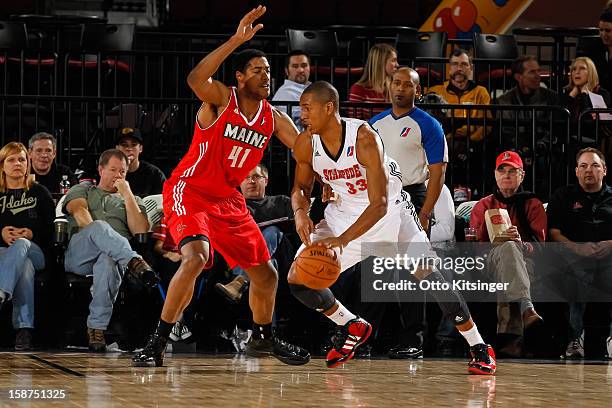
[[85, 126]]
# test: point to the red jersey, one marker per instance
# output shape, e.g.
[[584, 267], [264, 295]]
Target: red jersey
[[222, 155]]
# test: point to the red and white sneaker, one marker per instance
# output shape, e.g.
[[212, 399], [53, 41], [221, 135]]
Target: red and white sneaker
[[346, 340], [483, 360]]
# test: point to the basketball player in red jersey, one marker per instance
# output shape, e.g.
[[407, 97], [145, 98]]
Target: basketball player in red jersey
[[204, 209]]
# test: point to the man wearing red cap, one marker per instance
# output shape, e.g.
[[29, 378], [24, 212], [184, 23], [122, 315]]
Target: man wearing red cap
[[510, 261]]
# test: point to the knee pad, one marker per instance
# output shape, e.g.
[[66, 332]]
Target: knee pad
[[319, 300], [450, 301]]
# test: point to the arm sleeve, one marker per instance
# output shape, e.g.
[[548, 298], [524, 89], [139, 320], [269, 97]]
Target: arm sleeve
[[477, 221], [434, 142], [537, 219], [76, 191]]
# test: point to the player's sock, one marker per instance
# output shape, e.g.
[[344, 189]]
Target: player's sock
[[472, 336], [262, 331], [342, 315], [164, 328]]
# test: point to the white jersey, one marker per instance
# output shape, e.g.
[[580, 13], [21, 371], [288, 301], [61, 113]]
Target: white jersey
[[346, 176]]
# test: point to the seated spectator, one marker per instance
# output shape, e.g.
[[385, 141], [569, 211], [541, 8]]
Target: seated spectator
[[580, 215], [144, 178], [510, 262], [373, 86], [578, 97], [460, 89], [26, 220], [101, 220], [42, 150], [297, 70], [263, 208], [528, 92]]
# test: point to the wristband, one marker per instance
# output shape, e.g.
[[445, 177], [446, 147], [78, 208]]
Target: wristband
[[298, 209]]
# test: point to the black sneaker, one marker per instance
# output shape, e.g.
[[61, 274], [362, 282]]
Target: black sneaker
[[275, 347], [403, 352], [23, 340], [152, 355]]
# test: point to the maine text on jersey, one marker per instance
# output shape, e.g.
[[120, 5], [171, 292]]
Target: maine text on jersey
[[245, 135], [348, 173]]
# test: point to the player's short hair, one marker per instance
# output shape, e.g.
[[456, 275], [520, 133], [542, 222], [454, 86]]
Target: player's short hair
[[597, 152], [293, 54], [107, 154], [324, 92], [241, 60], [518, 65]]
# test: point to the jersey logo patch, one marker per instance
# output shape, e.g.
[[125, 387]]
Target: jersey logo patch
[[405, 132], [263, 120], [317, 154], [350, 151], [236, 111]]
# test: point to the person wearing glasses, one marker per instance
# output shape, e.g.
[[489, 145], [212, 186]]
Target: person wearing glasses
[[461, 89], [263, 208], [511, 261]]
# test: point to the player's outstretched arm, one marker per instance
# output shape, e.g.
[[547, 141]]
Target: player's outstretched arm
[[200, 78], [284, 128], [302, 186], [369, 153]]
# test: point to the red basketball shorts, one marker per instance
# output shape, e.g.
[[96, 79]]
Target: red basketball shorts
[[226, 222]]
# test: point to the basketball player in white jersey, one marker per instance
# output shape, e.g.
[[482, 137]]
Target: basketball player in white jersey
[[348, 155]]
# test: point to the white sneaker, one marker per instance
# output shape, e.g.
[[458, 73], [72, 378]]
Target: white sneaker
[[175, 334], [609, 348], [180, 331], [185, 332]]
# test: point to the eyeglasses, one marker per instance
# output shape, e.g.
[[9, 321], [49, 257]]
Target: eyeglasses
[[510, 172], [254, 178], [460, 64]]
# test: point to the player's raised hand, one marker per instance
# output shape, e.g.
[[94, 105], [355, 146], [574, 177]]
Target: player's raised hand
[[245, 30]]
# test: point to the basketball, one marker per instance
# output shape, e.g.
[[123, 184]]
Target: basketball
[[317, 267]]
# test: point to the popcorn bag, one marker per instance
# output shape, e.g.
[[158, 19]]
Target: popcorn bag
[[498, 221]]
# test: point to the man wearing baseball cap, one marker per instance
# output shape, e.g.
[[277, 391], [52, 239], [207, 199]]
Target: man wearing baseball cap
[[144, 178], [510, 261]]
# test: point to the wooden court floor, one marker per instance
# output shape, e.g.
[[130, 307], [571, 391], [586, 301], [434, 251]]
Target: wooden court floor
[[236, 381]]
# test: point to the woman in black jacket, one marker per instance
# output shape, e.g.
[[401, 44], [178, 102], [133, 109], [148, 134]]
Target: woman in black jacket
[[26, 224], [583, 82]]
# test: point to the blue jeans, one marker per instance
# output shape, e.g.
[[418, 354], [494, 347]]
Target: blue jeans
[[273, 236], [100, 251], [17, 265]]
